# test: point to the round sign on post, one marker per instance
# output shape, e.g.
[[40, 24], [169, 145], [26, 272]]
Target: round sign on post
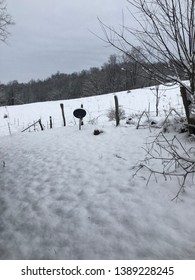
[[79, 114]]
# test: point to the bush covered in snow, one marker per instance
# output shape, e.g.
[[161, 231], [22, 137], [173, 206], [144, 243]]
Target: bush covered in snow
[[111, 114]]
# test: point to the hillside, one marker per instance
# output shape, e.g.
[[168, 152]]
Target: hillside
[[68, 194], [133, 102]]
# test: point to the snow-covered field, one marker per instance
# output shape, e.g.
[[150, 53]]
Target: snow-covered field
[[68, 194], [133, 102]]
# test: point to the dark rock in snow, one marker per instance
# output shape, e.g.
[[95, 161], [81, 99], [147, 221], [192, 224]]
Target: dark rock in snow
[[97, 132]]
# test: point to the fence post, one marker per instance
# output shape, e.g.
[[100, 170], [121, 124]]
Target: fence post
[[82, 123], [63, 116], [116, 110], [40, 124], [50, 122]]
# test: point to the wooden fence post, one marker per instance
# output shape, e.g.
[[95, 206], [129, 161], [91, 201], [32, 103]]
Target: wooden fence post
[[50, 122], [40, 124], [116, 110], [63, 116], [82, 123]]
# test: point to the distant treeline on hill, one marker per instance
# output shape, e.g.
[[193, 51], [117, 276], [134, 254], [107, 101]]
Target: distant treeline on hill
[[117, 74]]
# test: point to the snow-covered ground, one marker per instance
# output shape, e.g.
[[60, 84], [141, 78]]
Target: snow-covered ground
[[133, 102], [68, 194]]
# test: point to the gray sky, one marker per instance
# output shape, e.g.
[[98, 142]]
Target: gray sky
[[53, 35]]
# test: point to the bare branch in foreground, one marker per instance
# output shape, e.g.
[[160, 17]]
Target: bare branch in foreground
[[172, 159]]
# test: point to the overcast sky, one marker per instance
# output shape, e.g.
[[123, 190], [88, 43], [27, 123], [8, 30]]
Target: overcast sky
[[54, 35]]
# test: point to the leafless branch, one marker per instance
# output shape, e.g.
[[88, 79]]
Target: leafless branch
[[171, 158], [5, 21], [165, 31]]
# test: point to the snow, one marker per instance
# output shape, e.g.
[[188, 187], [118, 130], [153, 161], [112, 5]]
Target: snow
[[133, 102], [68, 194]]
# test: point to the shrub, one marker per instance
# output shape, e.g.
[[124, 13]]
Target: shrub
[[111, 114]]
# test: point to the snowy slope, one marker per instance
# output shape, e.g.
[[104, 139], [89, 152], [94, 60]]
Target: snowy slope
[[133, 102], [67, 194]]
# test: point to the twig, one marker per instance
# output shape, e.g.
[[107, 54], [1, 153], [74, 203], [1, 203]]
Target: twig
[[175, 160]]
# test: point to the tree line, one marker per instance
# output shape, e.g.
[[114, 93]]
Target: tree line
[[120, 72]]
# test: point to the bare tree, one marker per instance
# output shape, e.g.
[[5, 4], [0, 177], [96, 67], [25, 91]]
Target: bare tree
[[5, 20], [166, 35]]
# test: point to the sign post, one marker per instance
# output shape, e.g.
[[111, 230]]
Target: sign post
[[79, 114]]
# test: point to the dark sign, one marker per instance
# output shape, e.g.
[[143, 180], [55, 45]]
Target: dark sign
[[79, 113]]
